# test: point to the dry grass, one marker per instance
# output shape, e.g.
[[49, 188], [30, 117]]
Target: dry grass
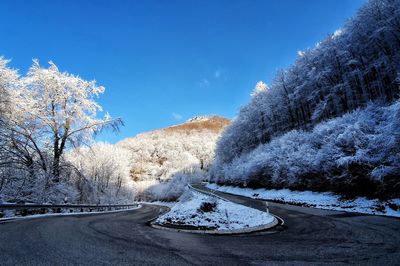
[[214, 124]]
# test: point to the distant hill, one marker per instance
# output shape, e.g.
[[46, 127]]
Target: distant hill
[[161, 155], [201, 123]]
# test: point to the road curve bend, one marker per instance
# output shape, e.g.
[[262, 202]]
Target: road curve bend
[[312, 236]]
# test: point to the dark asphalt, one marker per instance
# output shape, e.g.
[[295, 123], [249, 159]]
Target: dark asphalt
[[312, 237]]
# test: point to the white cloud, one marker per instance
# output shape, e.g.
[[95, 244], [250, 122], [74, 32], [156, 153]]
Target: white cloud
[[218, 73], [204, 83], [177, 116]]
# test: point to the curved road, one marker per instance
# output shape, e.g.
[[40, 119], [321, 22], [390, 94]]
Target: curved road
[[310, 236]]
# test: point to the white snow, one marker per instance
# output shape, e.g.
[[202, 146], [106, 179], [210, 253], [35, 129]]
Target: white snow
[[199, 118], [226, 216], [324, 200]]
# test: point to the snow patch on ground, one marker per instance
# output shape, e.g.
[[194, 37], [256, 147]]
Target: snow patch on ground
[[225, 216], [322, 200], [199, 118]]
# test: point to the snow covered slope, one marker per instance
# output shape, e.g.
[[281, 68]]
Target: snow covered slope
[[162, 161], [357, 154]]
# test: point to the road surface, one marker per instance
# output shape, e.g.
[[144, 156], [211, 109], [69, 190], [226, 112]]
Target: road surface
[[312, 236]]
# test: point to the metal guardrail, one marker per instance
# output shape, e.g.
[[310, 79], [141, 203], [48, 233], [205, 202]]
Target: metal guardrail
[[65, 206], [30, 209]]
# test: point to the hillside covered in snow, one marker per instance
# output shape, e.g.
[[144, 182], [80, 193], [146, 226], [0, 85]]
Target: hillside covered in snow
[[163, 161], [329, 122]]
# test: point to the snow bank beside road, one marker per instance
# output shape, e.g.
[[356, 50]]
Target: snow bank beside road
[[202, 211], [324, 200]]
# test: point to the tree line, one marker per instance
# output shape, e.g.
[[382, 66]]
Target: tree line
[[357, 64]]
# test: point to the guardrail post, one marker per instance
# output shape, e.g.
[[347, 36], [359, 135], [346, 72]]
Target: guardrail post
[[227, 218]]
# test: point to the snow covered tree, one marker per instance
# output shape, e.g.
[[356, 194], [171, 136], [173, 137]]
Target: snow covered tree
[[8, 81], [63, 109], [163, 161], [260, 87], [42, 115], [54, 109]]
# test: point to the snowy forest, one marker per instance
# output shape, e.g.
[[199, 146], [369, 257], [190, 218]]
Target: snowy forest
[[164, 161], [330, 121]]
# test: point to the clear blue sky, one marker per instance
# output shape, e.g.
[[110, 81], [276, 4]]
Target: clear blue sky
[[163, 62]]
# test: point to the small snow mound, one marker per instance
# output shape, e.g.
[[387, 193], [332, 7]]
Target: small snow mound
[[223, 215]]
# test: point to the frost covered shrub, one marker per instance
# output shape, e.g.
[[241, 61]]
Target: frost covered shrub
[[18, 186], [208, 206], [168, 190], [101, 174], [356, 154]]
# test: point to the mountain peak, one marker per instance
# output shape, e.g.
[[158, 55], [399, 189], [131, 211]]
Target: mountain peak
[[200, 118], [203, 122]]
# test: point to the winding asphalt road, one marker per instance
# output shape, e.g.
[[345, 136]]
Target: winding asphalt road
[[310, 236]]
